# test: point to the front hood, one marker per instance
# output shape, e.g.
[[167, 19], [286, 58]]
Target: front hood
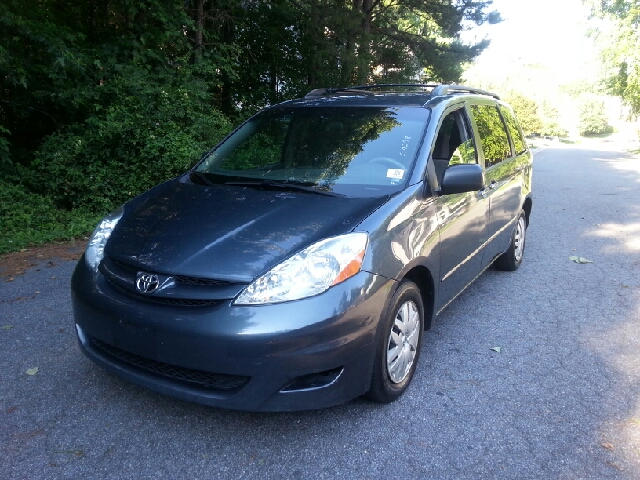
[[231, 233]]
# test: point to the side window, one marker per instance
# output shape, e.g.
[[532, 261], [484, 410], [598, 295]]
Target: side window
[[514, 130], [454, 145], [493, 135], [465, 153]]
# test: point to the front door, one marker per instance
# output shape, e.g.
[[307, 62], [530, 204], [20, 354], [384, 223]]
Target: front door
[[462, 217]]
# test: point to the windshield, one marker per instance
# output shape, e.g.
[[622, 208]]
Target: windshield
[[363, 151]]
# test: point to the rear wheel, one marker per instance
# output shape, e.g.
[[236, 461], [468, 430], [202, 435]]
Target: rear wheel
[[510, 260], [399, 344]]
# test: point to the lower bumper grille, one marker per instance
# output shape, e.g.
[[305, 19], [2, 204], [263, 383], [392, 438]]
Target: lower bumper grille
[[216, 381]]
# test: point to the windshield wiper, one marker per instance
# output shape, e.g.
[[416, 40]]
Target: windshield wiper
[[202, 177], [285, 186]]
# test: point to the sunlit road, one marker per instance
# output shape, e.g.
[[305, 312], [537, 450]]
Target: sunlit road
[[561, 399]]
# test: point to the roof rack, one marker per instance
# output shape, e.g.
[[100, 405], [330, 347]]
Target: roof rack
[[441, 90], [373, 86], [319, 92], [364, 89], [436, 89]]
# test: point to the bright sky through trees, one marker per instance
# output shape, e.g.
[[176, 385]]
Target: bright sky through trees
[[546, 32]]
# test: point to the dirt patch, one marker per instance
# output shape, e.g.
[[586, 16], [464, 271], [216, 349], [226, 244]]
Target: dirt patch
[[16, 263]]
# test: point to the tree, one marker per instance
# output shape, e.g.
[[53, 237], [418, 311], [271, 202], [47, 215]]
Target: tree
[[620, 48], [287, 47], [527, 112], [93, 87], [592, 116]]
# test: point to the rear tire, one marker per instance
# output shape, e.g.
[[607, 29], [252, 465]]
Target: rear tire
[[398, 347], [510, 260]]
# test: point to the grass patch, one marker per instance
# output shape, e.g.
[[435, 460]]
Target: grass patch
[[28, 219]]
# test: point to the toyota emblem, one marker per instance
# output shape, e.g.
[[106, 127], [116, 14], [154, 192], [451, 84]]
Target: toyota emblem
[[147, 282]]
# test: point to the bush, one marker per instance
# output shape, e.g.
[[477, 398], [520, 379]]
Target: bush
[[552, 128], [28, 219], [593, 118], [152, 130]]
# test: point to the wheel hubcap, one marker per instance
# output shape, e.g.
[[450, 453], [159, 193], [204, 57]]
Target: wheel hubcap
[[403, 342], [518, 240]]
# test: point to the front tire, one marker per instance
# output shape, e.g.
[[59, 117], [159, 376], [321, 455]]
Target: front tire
[[510, 260], [398, 347]]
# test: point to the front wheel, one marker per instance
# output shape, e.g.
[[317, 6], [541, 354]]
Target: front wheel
[[510, 260], [398, 347]]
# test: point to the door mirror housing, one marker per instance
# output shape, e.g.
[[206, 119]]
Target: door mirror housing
[[462, 178]]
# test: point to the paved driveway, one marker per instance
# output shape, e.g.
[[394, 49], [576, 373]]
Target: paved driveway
[[560, 400]]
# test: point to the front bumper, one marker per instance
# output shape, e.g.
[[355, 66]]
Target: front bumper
[[257, 358]]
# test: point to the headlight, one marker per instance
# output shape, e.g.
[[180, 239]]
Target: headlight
[[310, 272], [95, 249]]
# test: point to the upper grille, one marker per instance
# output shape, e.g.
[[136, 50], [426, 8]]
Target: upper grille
[[200, 281], [217, 381], [124, 266], [184, 302], [179, 278]]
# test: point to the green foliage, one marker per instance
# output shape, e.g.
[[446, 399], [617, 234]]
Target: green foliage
[[28, 219], [526, 111], [258, 151], [554, 129], [620, 49], [4, 148], [493, 137], [103, 99], [551, 121], [287, 48], [592, 117], [152, 130], [579, 87], [535, 118]]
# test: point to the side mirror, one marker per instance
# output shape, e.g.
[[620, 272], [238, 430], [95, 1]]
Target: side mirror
[[462, 178]]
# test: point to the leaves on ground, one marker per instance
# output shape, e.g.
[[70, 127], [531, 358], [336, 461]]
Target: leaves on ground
[[577, 259], [608, 446], [7, 327], [32, 371], [495, 349]]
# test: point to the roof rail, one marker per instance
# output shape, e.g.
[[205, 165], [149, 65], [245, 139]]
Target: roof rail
[[374, 86], [437, 89], [445, 89], [318, 92]]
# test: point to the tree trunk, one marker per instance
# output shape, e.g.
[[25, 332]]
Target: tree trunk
[[367, 16], [199, 29]]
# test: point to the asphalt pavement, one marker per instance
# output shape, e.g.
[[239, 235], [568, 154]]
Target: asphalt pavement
[[559, 400]]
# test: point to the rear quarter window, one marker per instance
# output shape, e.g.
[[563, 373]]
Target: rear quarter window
[[514, 130], [493, 134]]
